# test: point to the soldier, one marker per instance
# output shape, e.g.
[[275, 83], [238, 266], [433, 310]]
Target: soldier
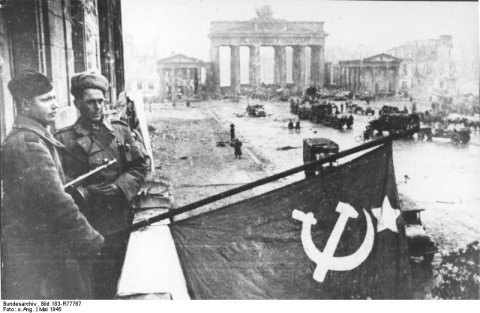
[[237, 146], [297, 126], [44, 235], [290, 126], [92, 141]]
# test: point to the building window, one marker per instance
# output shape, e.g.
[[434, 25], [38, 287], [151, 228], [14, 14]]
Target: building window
[[139, 86], [150, 85], [404, 69]]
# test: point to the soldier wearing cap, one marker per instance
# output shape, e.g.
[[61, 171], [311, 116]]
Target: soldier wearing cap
[[45, 237], [93, 141]]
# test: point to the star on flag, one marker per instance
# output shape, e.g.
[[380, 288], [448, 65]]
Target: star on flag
[[386, 216]]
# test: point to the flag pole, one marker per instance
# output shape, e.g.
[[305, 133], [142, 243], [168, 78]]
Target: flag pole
[[263, 181]]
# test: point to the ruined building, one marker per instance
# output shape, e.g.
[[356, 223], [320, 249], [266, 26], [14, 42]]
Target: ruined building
[[432, 63], [180, 75], [60, 38], [140, 69]]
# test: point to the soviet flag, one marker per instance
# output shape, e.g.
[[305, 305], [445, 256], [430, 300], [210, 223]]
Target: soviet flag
[[335, 236]]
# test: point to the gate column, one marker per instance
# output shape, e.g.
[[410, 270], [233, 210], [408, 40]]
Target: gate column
[[254, 66]]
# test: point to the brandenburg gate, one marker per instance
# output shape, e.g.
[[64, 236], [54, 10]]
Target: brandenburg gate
[[264, 30]]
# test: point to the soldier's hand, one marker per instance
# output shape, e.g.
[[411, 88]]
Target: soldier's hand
[[103, 190]]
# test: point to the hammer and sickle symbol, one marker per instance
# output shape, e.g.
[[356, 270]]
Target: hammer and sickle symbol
[[325, 260]]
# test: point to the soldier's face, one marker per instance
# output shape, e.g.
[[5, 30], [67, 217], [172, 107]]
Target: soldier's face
[[42, 108], [92, 105]]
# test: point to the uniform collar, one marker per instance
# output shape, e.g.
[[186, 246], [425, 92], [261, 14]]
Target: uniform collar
[[84, 127], [27, 123]]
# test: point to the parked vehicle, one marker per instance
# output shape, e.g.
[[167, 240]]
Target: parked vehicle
[[369, 111], [456, 136], [388, 109], [419, 243], [256, 110], [395, 123], [315, 149]]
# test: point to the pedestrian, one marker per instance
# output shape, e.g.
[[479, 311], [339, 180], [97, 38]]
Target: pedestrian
[[44, 234], [232, 132], [297, 126], [92, 141], [237, 148], [290, 126], [350, 121]]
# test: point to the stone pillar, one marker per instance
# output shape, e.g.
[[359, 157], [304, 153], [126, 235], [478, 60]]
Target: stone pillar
[[346, 78], [173, 81], [321, 67], [254, 67], [196, 79], [215, 68], [299, 66], [161, 93], [315, 65], [354, 75], [280, 67], [235, 69]]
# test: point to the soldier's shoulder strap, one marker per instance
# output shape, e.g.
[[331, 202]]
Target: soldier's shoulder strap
[[62, 130]]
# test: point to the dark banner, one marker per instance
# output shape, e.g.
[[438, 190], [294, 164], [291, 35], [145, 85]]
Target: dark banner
[[338, 236]]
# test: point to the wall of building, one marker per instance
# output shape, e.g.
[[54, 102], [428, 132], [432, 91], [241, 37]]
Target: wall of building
[[59, 38], [432, 63]]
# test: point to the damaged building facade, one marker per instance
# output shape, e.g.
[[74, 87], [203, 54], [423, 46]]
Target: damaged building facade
[[431, 62], [265, 31], [141, 75], [60, 38], [181, 77]]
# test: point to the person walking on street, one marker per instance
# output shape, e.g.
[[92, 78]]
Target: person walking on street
[[290, 126], [92, 141], [297, 126], [238, 148], [45, 237]]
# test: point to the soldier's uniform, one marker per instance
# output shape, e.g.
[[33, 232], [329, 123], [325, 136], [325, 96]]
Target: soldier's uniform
[[89, 146], [44, 235]]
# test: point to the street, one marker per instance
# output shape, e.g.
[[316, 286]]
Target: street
[[438, 176]]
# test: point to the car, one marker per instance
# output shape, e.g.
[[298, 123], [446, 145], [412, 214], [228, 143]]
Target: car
[[369, 111], [388, 109], [256, 110], [419, 242], [358, 110]]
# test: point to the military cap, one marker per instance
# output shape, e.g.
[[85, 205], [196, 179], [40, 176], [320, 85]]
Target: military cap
[[86, 80], [29, 84]]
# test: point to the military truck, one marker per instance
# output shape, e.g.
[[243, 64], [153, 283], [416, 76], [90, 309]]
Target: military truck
[[316, 149]]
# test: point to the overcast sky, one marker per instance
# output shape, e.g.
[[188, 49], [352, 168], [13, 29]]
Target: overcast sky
[[183, 25]]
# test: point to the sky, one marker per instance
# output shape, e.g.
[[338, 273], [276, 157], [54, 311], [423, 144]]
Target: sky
[[183, 25]]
